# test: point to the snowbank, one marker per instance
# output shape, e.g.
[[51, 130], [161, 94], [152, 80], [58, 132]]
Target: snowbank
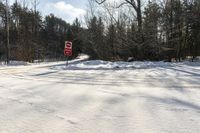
[[106, 65]]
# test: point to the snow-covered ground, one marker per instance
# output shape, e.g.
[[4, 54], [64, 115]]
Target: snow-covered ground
[[100, 97]]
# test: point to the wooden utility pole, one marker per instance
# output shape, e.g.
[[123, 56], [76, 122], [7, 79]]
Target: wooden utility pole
[[7, 34]]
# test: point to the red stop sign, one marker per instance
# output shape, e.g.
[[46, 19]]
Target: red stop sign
[[68, 48]]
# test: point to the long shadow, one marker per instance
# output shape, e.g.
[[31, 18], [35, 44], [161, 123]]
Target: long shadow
[[184, 71], [62, 64], [45, 73], [70, 62], [96, 69], [175, 82], [95, 80], [173, 101], [186, 104]]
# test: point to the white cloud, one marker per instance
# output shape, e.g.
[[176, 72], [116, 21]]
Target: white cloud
[[63, 10]]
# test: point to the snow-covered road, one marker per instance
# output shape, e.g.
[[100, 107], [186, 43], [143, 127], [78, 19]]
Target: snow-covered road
[[47, 98]]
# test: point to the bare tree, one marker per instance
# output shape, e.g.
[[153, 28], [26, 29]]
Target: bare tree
[[136, 4], [24, 3], [35, 3]]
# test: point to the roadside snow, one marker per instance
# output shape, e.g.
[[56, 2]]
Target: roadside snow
[[104, 65], [14, 63], [100, 97]]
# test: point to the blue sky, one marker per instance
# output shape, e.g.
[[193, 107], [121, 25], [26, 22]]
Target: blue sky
[[65, 9]]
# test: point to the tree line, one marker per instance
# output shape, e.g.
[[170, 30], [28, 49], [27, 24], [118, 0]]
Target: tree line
[[142, 30], [32, 37]]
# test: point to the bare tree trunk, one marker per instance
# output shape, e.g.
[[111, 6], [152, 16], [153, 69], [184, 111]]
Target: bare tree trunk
[[137, 7], [34, 42], [139, 19], [7, 34]]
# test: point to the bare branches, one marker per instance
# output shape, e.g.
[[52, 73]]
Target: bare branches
[[100, 2], [35, 3], [132, 3], [111, 14], [123, 3]]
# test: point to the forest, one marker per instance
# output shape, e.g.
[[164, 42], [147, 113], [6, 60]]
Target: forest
[[119, 30]]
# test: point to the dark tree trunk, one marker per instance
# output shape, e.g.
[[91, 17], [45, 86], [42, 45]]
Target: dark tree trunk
[[139, 19]]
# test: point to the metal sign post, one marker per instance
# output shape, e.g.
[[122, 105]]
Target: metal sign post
[[68, 50], [67, 61], [68, 44]]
